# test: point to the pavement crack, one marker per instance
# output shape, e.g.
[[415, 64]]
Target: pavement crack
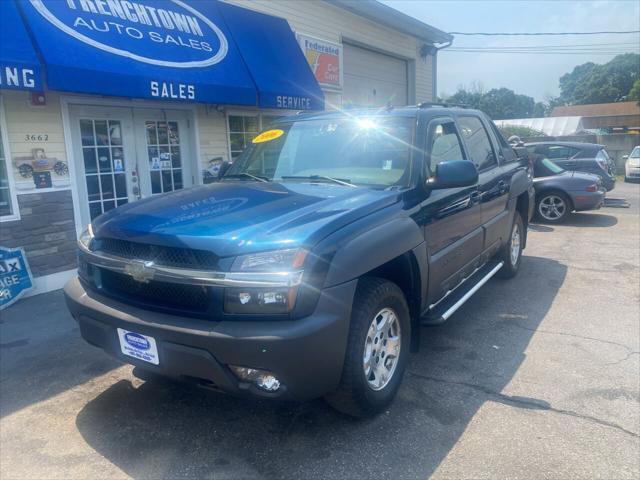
[[627, 357], [526, 402], [583, 337]]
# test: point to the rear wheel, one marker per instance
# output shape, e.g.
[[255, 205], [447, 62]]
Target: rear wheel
[[511, 253], [377, 349], [553, 207]]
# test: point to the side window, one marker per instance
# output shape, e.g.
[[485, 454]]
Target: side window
[[560, 152], [444, 143], [478, 143]]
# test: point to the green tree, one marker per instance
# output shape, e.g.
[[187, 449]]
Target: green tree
[[634, 93], [593, 83], [520, 131], [499, 103]]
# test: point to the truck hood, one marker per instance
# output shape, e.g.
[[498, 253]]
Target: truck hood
[[233, 218]]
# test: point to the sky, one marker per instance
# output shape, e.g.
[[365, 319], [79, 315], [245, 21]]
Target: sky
[[535, 75]]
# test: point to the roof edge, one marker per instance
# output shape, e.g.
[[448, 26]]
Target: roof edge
[[383, 14]]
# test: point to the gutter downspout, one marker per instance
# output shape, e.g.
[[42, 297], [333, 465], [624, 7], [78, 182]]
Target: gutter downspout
[[434, 69]]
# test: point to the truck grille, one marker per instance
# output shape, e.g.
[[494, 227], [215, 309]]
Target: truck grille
[[160, 255], [172, 297]]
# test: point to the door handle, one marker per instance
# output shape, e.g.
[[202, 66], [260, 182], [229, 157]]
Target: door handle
[[474, 198], [502, 187]]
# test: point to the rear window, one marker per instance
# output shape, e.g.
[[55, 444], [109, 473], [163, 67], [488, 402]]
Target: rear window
[[561, 152]]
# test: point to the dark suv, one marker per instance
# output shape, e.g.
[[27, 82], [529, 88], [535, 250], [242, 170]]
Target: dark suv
[[309, 267], [579, 157]]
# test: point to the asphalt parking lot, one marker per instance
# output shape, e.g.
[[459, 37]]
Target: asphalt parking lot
[[534, 377]]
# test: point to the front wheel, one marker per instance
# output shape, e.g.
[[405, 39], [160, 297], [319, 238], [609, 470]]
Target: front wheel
[[377, 349]]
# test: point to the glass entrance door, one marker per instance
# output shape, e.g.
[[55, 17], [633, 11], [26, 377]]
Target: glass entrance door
[[124, 154], [104, 158], [163, 150]]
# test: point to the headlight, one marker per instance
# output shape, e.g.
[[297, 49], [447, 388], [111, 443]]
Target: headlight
[[86, 237], [275, 261], [268, 267], [634, 162]]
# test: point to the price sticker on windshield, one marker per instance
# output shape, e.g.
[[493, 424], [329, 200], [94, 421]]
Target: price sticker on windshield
[[268, 136]]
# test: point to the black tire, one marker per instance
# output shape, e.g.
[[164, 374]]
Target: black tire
[[355, 396], [510, 268], [568, 207], [26, 171]]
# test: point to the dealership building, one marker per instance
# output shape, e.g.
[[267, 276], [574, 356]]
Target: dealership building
[[104, 102]]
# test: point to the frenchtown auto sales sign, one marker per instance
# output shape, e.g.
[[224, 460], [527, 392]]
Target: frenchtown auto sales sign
[[136, 30]]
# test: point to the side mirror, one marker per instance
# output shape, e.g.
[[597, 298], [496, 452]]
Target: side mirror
[[223, 168], [624, 157], [217, 168], [454, 174], [521, 152]]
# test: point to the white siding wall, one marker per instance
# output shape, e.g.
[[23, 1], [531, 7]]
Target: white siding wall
[[328, 22], [24, 119]]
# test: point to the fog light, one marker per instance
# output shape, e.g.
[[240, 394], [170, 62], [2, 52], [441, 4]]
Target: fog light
[[261, 301], [260, 378]]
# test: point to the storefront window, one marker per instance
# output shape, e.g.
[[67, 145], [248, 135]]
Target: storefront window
[[6, 204], [242, 128]]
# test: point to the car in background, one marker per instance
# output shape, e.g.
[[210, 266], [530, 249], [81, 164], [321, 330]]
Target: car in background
[[579, 157], [632, 165], [560, 192]]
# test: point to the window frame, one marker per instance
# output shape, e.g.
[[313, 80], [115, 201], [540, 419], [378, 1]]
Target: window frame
[[430, 130], [4, 138], [496, 162]]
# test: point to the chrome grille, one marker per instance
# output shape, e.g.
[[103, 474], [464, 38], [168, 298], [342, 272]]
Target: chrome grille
[[159, 254]]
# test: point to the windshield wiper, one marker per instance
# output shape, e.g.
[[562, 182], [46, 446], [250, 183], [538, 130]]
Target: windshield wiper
[[245, 174], [339, 181]]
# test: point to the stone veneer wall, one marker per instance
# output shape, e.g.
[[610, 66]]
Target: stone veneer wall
[[46, 231]]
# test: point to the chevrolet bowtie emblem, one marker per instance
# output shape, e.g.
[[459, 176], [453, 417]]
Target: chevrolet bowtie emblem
[[140, 270]]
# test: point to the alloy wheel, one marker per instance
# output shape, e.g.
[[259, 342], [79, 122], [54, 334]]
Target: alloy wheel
[[515, 244], [382, 349], [552, 207]]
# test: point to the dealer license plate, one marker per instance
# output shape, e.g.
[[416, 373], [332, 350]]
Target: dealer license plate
[[136, 345]]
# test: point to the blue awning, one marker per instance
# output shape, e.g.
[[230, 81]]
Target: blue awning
[[274, 58], [19, 65], [197, 51]]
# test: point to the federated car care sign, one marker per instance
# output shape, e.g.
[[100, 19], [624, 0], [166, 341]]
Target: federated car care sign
[[154, 32], [15, 276], [325, 60]]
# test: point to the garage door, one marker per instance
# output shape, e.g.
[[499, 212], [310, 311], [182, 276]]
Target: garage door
[[373, 78]]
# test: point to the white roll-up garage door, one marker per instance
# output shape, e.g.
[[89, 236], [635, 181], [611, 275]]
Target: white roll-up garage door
[[372, 78]]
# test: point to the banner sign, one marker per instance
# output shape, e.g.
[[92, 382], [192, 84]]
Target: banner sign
[[157, 49], [15, 276], [325, 60], [19, 65]]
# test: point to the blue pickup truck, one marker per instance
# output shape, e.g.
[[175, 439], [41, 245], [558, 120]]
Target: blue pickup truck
[[307, 270]]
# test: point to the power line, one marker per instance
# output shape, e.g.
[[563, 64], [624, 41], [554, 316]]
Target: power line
[[493, 34], [568, 45], [552, 52]]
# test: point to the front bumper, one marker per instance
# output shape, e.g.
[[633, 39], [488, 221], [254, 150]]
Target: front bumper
[[306, 355], [588, 200], [632, 172]]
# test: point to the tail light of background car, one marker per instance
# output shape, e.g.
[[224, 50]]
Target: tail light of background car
[[592, 188]]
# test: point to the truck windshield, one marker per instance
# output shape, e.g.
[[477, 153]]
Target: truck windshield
[[371, 151]]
